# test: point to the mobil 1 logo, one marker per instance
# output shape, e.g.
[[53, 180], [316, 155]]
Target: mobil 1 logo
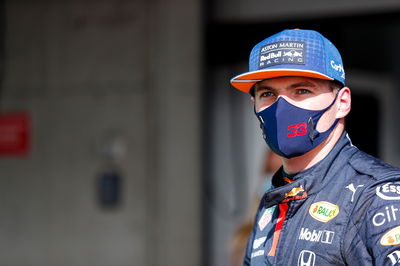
[[321, 236], [284, 52]]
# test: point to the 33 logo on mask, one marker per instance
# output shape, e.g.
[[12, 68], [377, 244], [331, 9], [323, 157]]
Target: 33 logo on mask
[[297, 130]]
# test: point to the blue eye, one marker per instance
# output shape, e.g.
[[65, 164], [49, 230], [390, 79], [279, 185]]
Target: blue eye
[[267, 94], [302, 91]]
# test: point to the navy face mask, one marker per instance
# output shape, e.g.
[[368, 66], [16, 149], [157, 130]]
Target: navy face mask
[[289, 130]]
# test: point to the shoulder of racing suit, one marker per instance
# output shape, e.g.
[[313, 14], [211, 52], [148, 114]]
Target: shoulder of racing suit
[[366, 164], [374, 220]]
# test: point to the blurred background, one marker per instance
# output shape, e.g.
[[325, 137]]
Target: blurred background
[[122, 141]]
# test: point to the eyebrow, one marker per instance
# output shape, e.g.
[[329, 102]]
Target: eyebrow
[[302, 84], [291, 86], [263, 87]]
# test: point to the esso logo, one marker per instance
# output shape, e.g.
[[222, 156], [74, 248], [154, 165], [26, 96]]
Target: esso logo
[[389, 191]]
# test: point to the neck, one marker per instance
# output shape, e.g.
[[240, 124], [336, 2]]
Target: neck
[[303, 162]]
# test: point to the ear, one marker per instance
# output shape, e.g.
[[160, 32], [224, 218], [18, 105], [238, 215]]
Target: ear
[[344, 102], [252, 99]]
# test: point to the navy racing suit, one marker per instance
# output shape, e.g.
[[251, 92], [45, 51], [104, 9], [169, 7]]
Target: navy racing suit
[[345, 210]]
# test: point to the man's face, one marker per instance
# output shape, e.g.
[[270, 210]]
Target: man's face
[[307, 93]]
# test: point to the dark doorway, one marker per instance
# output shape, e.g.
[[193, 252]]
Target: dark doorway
[[362, 123]]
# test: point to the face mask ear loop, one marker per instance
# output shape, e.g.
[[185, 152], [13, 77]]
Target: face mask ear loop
[[261, 123], [259, 118], [313, 125], [333, 102]]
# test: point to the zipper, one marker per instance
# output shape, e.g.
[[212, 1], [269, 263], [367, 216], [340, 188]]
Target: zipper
[[283, 208]]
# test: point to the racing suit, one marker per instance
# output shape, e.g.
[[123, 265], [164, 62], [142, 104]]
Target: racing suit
[[345, 210]]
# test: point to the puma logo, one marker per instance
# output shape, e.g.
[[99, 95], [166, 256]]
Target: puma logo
[[353, 189]]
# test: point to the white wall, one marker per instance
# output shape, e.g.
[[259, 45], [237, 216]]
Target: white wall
[[91, 73], [237, 152]]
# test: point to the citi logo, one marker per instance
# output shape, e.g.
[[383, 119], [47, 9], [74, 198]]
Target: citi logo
[[322, 236], [386, 216]]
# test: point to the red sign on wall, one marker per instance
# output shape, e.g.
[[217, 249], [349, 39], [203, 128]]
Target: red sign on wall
[[15, 134]]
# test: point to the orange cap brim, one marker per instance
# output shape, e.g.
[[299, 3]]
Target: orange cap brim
[[244, 82]]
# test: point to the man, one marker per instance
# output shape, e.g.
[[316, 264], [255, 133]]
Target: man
[[330, 203]]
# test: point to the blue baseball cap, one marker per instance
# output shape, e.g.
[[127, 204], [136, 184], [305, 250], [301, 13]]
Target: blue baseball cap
[[301, 53]]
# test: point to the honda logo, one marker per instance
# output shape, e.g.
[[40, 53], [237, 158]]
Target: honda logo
[[306, 258]]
